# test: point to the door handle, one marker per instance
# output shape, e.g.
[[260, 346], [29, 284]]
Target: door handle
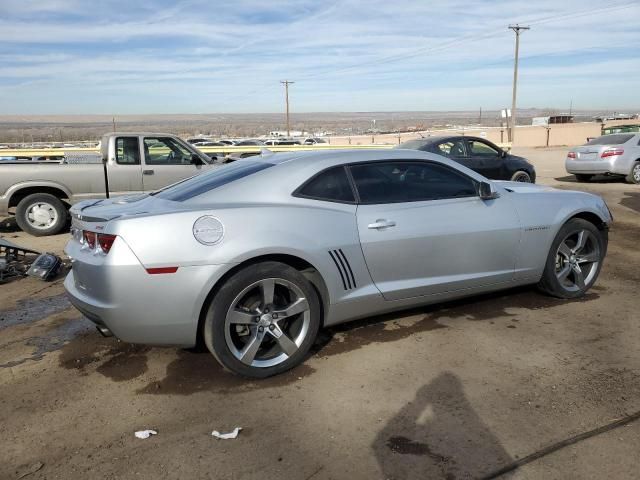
[[147, 172], [381, 224]]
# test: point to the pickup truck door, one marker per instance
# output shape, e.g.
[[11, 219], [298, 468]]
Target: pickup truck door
[[166, 161], [124, 169]]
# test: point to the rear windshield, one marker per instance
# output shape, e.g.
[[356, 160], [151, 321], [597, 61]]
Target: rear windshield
[[611, 139], [194, 186], [412, 144]]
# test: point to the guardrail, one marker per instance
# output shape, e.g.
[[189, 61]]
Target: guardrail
[[225, 150]]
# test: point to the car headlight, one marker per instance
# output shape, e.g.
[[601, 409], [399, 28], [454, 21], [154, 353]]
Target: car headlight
[[208, 230]]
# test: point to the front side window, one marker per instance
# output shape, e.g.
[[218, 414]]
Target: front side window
[[482, 149], [451, 148], [165, 151], [127, 151], [331, 185], [393, 182], [205, 182]]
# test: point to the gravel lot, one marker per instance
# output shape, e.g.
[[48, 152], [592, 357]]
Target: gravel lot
[[450, 391]]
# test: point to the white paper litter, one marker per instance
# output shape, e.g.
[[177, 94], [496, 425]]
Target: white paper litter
[[145, 433], [227, 436]]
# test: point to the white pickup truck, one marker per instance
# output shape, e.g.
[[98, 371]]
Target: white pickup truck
[[40, 193]]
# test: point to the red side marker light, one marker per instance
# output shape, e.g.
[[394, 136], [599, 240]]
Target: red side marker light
[[156, 271]]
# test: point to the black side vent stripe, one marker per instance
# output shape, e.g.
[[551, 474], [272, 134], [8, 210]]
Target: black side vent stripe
[[344, 268], [353, 279], [344, 284]]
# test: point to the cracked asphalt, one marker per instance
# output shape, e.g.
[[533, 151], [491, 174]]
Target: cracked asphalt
[[450, 391]]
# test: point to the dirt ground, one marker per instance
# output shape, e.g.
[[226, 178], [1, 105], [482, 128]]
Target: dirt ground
[[450, 391]]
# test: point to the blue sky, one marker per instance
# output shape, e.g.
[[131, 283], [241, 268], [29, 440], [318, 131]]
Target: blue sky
[[157, 56]]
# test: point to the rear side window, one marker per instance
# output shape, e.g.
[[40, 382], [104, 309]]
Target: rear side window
[[394, 182], [611, 139], [205, 182], [331, 185], [127, 151]]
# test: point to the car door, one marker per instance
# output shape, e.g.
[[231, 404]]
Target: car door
[[424, 230], [166, 161], [125, 170], [485, 158]]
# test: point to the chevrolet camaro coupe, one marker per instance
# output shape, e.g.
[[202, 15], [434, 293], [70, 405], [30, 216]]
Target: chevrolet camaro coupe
[[253, 258]]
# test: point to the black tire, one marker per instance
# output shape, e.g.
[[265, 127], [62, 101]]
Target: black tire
[[583, 177], [521, 176], [634, 174], [550, 283], [214, 327], [38, 200]]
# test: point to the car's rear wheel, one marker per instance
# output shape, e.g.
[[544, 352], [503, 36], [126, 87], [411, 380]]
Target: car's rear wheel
[[583, 177], [574, 260], [41, 214], [521, 176], [634, 175], [263, 320]]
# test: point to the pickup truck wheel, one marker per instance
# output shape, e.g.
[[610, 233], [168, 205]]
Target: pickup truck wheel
[[634, 175], [41, 214]]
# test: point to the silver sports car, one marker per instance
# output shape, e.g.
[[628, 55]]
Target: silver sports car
[[254, 257]]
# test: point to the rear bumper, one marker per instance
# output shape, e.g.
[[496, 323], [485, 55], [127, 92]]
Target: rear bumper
[[615, 165], [136, 306]]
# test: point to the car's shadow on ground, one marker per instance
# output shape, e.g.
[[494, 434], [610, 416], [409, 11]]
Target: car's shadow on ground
[[631, 200], [595, 179], [197, 371]]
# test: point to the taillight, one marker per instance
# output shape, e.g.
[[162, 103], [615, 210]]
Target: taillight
[[105, 241], [571, 155], [89, 239], [612, 152]]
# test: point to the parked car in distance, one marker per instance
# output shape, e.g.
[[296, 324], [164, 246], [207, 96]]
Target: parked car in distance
[[250, 143], [198, 140], [616, 154], [313, 141], [254, 257], [479, 155], [39, 192]]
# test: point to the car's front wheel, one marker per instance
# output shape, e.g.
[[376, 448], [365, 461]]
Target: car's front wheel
[[521, 176], [574, 260], [263, 320]]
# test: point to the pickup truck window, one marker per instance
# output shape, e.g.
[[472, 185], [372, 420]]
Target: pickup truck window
[[165, 151], [127, 151]]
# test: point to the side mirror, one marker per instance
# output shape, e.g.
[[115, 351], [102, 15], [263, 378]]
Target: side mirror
[[196, 160], [503, 153], [487, 191]]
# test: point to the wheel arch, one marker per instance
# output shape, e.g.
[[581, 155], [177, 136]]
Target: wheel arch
[[303, 266], [590, 217], [21, 192]]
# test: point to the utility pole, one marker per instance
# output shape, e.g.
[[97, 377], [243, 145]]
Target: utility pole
[[286, 84], [516, 28], [113, 120]]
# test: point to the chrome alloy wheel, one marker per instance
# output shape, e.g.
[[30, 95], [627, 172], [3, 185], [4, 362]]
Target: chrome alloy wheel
[[577, 260], [267, 322], [41, 215]]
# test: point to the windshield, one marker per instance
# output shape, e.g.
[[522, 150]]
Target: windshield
[[610, 140], [205, 182]]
